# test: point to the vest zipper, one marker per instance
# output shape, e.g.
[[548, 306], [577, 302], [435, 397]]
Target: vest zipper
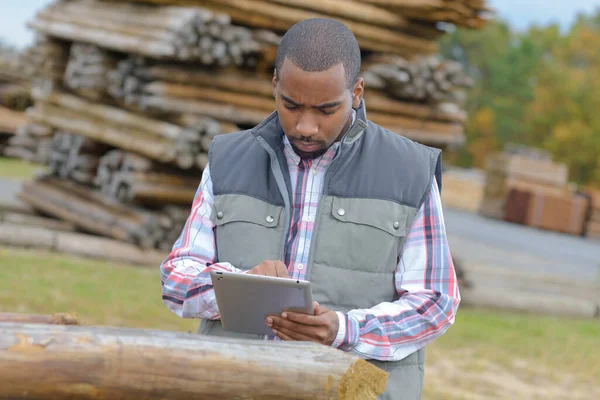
[[280, 180], [357, 125]]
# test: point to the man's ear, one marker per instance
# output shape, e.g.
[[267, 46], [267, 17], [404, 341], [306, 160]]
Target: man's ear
[[358, 92], [275, 83]]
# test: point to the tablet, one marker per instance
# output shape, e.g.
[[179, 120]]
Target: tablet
[[245, 300]]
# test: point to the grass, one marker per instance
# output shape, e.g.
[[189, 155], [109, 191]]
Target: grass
[[100, 293], [17, 169], [510, 349]]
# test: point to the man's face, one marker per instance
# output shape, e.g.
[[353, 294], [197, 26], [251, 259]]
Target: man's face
[[315, 108]]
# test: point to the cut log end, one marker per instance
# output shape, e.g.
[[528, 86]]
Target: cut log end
[[372, 381]]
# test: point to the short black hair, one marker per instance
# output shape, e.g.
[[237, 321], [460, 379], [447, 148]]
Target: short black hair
[[317, 44]]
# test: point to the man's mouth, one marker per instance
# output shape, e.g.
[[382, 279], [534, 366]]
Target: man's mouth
[[307, 146]]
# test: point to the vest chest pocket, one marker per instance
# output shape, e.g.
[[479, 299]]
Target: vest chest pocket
[[362, 234], [248, 230]]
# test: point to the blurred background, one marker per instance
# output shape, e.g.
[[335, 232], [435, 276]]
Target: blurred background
[[107, 109]]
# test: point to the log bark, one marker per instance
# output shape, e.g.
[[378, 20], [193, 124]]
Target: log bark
[[35, 220], [78, 244], [119, 363], [53, 319]]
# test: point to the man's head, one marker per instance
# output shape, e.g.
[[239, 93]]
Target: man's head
[[317, 84]]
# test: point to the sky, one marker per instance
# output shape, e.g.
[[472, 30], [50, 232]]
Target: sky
[[520, 13]]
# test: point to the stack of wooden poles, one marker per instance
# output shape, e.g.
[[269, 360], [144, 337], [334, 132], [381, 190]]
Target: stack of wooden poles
[[130, 94], [14, 95]]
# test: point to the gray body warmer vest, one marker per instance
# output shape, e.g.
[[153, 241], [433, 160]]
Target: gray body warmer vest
[[371, 193]]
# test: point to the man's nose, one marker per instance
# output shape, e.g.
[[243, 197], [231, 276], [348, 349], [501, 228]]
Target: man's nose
[[307, 125]]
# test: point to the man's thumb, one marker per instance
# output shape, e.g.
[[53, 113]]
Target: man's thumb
[[316, 308]]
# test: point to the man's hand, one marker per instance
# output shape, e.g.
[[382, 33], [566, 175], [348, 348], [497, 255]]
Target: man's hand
[[270, 268], [320, 328]]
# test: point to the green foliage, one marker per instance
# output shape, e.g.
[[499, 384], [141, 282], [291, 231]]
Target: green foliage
[[540, 88]]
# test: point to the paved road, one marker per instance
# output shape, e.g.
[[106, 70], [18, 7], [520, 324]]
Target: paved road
[[514, 266]]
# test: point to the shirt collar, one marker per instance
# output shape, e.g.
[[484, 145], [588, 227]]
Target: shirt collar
[[295, 159]]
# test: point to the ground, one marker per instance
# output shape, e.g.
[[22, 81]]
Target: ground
[[485, 355]]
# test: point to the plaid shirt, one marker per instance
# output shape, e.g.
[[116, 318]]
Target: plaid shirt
[[425, 278]]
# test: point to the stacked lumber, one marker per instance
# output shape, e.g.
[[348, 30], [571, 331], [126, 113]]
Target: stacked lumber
[[130, 95], [14, 94], [176, 33], [510, 170], [560, 212], [131, 178], [245, 99], [592, 229], [463, 189], [426, 79], [46, 58], [122, 363], [75, 157], [12, 66], [159, 140], [32, 142], [87, 70], [92, 212], [406, 28]]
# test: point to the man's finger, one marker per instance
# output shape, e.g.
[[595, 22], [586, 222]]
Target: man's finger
[[286, 334], [303, 319], [281, 323]]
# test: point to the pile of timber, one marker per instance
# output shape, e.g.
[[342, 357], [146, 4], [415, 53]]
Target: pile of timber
[[245, 99], [511, 170], [131, 178], [46, 58], [525, 186], [87, 70], [424, 80], [75, 157], [32, 142], [122, 363], [403, 27], [463, 189], [592, 229], [129, 95], [12, 66], [92, 212], [162, 141], [14, 94], [176, 33]]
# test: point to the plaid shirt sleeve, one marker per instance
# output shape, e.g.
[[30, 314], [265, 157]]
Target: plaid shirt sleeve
[[185, 274], [428, 295]]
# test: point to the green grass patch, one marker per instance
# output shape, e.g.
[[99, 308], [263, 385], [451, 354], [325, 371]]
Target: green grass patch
[[17, 168], [100, 293]]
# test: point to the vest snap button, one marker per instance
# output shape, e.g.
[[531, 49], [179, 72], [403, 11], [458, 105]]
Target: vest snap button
[[341, 212], [269, 219], [220, 215], [396, 225]]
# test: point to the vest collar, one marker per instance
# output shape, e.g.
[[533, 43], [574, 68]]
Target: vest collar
[[272, 132]]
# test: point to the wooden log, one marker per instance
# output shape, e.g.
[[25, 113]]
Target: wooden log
[[376, 101], [208, 94], [108, 113], [109, 361], [52, 319], [78, 244], [233, 80], [275, 16], [11, 120], [418, 124], [12, 217], [128, 139], [117, 41], [221, 112]]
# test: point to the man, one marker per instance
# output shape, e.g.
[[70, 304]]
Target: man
[[316, 192]]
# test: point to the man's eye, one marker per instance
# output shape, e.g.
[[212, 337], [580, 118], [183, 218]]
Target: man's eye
[[291, 108], [327, 112]]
